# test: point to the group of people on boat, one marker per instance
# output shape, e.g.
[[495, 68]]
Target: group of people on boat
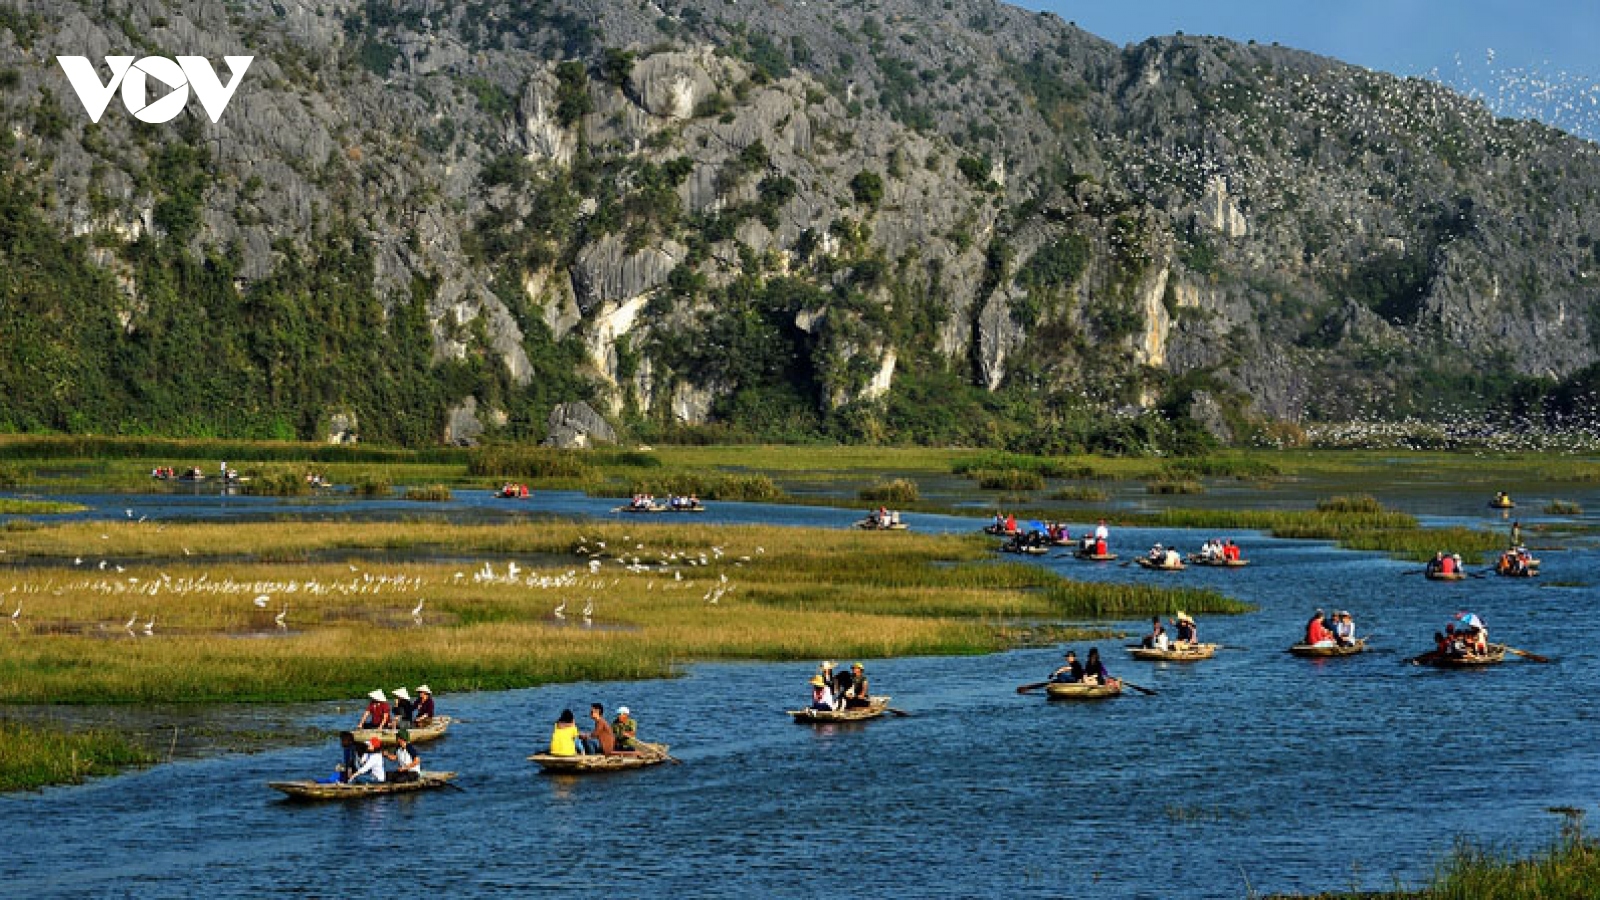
[[1464, 637], [1091, 672], [515, 490], [1516, 561], [1337, 630], [678, 501], [366, 762], [1096, 542], [642, 501], [844, 689], [1184, 633], [318, 480], [1165, 557], [404, 713], [1502, 500], [1219, 550], [1444, 564], [619, 737], [883, 517], [193, 473]]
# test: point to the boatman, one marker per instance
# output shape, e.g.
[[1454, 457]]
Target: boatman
[[1071, 673], [857, 696], [626, 730], [410, 764]]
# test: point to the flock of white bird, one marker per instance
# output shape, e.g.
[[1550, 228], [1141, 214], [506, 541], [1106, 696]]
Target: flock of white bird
[[588, 582]]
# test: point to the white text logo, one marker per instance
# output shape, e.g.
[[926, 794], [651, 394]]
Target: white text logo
[[175, 77]]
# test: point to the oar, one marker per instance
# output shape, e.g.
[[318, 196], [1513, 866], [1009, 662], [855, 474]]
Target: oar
[[1143, 690], [898, 712], [1526, 655], [449, 784], [1413, 572], [1032, 687]]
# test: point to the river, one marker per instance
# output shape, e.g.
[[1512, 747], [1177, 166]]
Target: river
[[1251, 771]]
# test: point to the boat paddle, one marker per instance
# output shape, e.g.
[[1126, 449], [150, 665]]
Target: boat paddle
[[897, 712], [1143, 690], [1526, 655], [1032, 687]]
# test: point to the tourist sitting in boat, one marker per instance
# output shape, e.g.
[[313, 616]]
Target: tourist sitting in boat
[[839, 682], [404, 708], [598, 740], [1230, 551], [564, 737], [377, 714], [626, 732], [1448, 564], [1172, 559], [1094, 670], [1086, 545], [1071, 672], [1101, 548], [1317, 633], [422, 713], [1157, 638], [410, 764], [856, 695], [821, 696], [1158, 554], [1011, 524], [369, 762], [351, 755], [1344, 628], [1187, 633]]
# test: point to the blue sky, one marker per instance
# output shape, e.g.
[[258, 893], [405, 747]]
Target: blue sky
[[1546, 53]]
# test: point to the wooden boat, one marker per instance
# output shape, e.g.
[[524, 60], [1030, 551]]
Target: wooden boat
[[1033, 550], [1531, 571], [649, 755], [1146, 562], [700, 508], [1218, 563], [1082, 691], [1095, 557], [1175, 654], [997, 531], [513, 495], [870, 525], [880, 705], [1496, 654], [431, 731], [630, 508], [311, 790], [1326, 650], [1508, 504], [1445, 576]]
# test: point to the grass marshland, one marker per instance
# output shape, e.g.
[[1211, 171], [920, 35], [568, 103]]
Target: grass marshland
[[899, 491], [758, 593], [33, 756], [1567, 870]]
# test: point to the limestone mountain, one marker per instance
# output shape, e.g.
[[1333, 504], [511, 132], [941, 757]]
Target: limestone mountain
[[957, 221]]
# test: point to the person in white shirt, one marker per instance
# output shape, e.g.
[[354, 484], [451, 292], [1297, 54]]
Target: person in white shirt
[[1101, 532], [371, 762], [410, 764]]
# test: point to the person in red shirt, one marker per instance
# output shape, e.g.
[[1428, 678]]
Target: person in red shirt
[[378, 714], [1447, 565], [1316, 631]]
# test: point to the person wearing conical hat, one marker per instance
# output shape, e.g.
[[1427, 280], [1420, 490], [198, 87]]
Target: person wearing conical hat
[[857, 695], [1187, 633], [422, 715], [821, 694], [404, 707], [377, 714]]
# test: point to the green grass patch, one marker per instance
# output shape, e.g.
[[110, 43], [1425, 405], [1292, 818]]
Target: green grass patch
[[1169, 486], [1563, 508], [369, 485], [432, 493], [1006, 479], [899, 491], [278, 484], [1080, 494], [34, 756], [10, 506], [712, 486]]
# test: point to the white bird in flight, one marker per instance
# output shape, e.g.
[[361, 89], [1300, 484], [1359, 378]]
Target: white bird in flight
[[561, 610], [262, 601], [416, 611], [281, 616]]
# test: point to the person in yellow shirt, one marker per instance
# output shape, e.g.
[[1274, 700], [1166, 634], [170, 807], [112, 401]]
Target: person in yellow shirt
[[564, 739]]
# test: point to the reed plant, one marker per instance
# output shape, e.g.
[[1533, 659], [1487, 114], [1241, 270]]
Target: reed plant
[[1080, 494], [432, 493], [1006, 479], [278, 484], [1563, 508], [33, 756], [899, 491], [1170, 486], [708, 486], [371, 485]]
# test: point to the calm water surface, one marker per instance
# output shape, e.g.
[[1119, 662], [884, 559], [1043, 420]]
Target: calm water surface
[[1254, 770]]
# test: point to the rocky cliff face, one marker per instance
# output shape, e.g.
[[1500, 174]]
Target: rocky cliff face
[[782, 212]]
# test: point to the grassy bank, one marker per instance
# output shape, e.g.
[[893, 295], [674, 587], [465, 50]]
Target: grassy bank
[[34, 756], [1568, 870], [754, 593]]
